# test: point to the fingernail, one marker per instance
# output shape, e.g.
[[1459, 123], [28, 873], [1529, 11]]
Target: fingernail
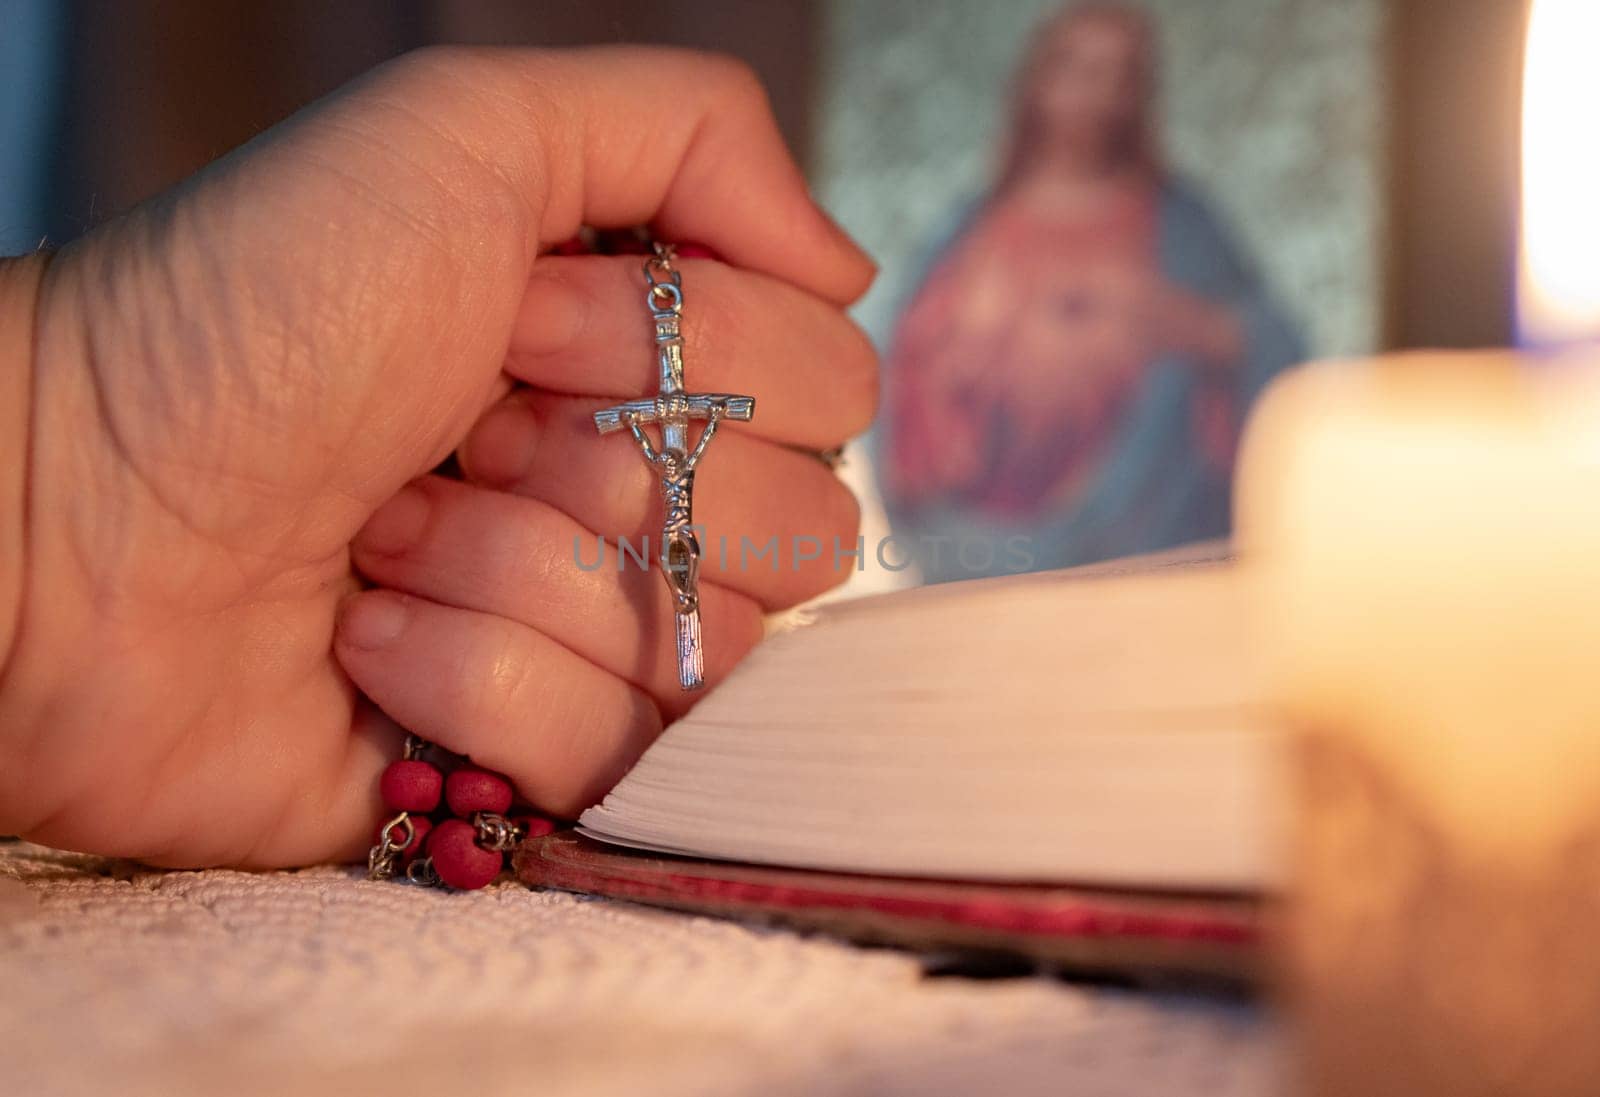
[[396, 525], [552, 316], [501, 448], [372, 620]]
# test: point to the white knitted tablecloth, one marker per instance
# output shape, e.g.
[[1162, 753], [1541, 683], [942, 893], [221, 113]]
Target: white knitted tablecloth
[[118, 980]]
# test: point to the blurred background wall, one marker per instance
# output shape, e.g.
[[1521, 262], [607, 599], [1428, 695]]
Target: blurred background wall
[[104, 102], [30, 68], [1364, 149]]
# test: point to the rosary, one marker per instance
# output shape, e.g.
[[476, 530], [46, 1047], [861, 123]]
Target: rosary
[[464, 843]]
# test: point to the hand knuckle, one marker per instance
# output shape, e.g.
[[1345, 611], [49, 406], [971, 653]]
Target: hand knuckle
[[735, 77], [429, 62]]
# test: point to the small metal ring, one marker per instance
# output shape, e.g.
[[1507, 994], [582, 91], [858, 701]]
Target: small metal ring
[[421, 871], [407, 827], [665, 297]]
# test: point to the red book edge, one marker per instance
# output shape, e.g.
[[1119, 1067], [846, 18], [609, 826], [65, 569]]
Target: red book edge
[[1126, 933]]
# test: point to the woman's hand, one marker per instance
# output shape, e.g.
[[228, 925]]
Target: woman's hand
[[230, 382]]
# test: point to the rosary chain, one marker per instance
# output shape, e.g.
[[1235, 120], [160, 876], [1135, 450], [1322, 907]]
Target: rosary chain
[[381, 859], [660, 259]]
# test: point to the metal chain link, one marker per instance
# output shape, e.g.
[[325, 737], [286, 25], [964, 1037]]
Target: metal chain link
[[660, 259], [381, 858], [496, 832]]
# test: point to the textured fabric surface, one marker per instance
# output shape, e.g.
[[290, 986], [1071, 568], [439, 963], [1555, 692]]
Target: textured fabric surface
[[119, 980]]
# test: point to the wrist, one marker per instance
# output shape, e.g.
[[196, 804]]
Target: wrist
[[20, 282]]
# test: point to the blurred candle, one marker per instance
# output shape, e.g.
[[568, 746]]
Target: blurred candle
[[1425, 530], [1558, 295]]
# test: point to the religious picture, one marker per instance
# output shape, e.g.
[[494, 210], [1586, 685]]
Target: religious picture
[[1068, 378]]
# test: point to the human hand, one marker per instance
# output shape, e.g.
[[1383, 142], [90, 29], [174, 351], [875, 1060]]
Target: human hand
[[229, 382]]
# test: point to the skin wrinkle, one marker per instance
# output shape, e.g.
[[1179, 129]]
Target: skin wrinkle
[[166, 402], [323, 305], [446, 200], [93, 561], [102, 362], [535, 102], [514, 206], [26, 500], [246, 388], [21, 626], [511, 208], [241, 391], [434, 240], [545, 568], [507, 679]]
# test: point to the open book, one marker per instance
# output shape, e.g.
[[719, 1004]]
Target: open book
[[1097, 728]]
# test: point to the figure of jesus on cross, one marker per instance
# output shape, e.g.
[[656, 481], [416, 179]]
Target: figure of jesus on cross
[[675, 462]]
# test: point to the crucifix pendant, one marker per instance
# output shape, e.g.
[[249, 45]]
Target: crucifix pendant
[[674, 461]]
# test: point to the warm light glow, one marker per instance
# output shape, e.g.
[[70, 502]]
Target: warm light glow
[[1559, 275]]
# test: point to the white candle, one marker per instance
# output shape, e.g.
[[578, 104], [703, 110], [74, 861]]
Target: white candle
[[1425, 530], [1428, 534]]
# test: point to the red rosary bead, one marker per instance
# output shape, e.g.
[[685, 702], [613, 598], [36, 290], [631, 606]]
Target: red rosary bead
[[411, 785], [470, 790], [459, 860], [534, 826]]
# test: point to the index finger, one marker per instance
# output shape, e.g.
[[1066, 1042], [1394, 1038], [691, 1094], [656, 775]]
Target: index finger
[[583, 330]]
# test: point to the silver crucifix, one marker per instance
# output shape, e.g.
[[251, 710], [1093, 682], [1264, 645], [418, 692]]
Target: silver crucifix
[[674, 460]]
